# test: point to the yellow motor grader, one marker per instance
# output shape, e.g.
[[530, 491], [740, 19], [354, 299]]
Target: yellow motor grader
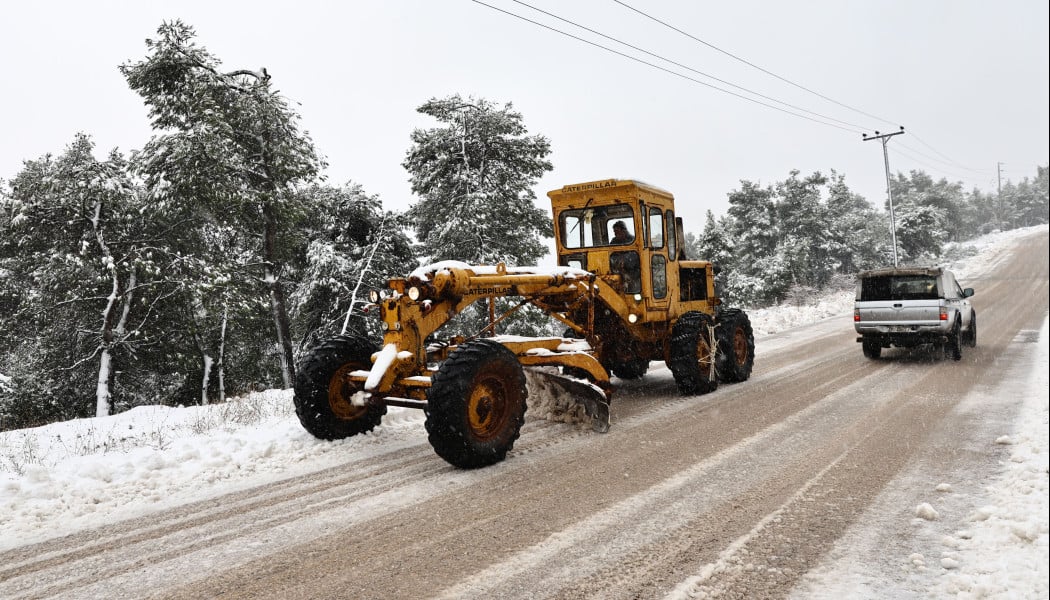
[[623, 288]]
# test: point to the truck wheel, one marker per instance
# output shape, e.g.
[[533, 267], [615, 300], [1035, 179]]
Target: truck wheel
[[971, 334], [476, 405], [324, 395], [953, 347], [736, 346], [871, 349], [692, 357]]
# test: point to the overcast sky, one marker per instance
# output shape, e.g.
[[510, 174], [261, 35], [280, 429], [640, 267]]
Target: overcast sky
[[967, 79]]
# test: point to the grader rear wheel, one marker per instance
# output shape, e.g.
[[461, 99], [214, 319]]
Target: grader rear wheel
[[692, 354], [736, 346], [476, 405], [324, 395]]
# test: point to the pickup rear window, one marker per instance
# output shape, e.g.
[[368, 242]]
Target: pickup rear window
[[899, 287]]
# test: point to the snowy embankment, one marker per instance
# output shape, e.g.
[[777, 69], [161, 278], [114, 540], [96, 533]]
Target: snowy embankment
[[69, 476]]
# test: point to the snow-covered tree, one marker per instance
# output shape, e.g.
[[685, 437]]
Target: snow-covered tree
[[352, 246], [715, 245], [803, 244], [796, 234], [229, 147], [217, 310], [1026, 200], [919, 233], [86, 248], [475, 175], [752, 224], [857, 236]]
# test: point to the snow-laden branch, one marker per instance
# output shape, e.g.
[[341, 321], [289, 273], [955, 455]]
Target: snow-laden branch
[[364, 271]]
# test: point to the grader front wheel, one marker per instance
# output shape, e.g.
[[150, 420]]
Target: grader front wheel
[[324, 394], [476, 405]]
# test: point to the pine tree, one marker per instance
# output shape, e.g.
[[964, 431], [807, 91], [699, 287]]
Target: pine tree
[[229, 149], [928, 213], [752, 224], [86, 247], [856, 236], [803, 244], [716, 246], [352, 246], [474, 175]]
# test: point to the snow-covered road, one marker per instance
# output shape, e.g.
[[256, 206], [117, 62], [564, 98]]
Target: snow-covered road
[[824, 476]]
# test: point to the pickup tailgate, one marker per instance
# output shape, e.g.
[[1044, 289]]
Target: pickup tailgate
[[899, 312]]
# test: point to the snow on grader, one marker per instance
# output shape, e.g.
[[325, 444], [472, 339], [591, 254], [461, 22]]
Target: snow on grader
[[624, 290]]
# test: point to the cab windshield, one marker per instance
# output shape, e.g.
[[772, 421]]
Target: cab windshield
[[595, 227]]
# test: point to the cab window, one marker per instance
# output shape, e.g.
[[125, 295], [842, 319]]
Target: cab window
[[659, 271], [656, 228], [672, 238], [596, 227]]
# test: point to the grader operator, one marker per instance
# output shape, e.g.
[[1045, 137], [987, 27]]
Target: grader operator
[[623, 288]]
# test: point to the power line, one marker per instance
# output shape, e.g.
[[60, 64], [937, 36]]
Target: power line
[[850, 126], [687, 67], [959, 178], [664, 69], [753, 65], [950, 161]]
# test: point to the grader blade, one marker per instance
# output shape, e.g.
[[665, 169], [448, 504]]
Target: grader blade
[[562, 396]]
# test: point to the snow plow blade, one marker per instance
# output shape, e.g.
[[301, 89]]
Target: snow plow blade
[[594, 400]]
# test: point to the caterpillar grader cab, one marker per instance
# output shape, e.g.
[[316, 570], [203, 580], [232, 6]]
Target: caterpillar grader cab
[[623, 289]]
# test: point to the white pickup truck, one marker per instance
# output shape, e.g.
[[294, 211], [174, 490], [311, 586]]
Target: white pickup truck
[[911, 306]]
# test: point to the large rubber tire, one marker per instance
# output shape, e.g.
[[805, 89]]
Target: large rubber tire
[[323, 394], [953, 347], [633, 369], [871, 349], [476, 405], [692, 357], [971, 333], [736, 346]]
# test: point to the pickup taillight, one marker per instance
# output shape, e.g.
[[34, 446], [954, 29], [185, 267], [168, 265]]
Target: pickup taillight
[[856, 315], [944, 314]]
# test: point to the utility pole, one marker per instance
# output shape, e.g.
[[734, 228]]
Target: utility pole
[[999, 177], [885, 137]]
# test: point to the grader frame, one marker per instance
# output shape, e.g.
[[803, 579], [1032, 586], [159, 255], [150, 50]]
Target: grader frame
[[625, 300]]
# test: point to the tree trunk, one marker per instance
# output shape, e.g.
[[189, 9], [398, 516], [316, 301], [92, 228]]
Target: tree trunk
[[205, 378], [364, 271], [113, 327], [220, 366], [278, 305], [102, 393]]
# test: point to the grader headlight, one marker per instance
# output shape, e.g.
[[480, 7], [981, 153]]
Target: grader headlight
[[374, 296], [632, 318], [415, 293]]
